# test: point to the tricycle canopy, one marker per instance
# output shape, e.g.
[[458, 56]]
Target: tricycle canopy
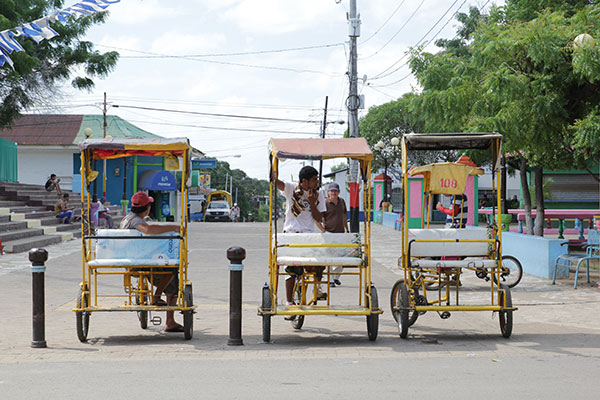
[[115, 148], [455, 141], [321, 149]]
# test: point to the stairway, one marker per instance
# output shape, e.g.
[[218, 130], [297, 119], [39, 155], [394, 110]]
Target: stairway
[[27, 217]]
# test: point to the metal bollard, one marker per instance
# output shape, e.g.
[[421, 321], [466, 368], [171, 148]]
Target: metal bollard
[[38, 257], [235, 255]]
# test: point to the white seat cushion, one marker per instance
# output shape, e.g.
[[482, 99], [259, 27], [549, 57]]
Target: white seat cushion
[[451, 249], [302, 261]]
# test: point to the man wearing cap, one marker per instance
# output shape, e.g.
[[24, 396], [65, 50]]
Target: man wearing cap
[[335, 220], [168, 283], [104, 214]]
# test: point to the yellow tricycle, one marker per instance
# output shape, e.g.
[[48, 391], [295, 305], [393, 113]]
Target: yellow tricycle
[[433, 259], [110, 256], [315, 254]]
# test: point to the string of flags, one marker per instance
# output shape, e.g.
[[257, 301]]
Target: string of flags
[[40, 29]]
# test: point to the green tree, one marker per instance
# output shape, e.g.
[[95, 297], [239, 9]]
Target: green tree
[[519, 74], [42, 66], [247, 188]]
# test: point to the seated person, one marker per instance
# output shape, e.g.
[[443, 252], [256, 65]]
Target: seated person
[[304, 205], [62, 210], [454, 217], [168, 283], [53, 183], [104, 213]]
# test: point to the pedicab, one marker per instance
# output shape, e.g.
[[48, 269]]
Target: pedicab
[[319, 251], [126, 259], [433, 259]]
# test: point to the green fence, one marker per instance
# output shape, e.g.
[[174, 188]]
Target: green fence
[[8, 161]]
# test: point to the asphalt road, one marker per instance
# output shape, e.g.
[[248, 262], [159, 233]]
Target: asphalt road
[[554, 351]]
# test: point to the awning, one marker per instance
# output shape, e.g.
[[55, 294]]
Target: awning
[[157, 180], [321, 149]]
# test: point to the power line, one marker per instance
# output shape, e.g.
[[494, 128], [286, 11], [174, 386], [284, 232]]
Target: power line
[[383, 74], [190, 58], [156, 55], [396, 34], [213, 114], [382, 25]]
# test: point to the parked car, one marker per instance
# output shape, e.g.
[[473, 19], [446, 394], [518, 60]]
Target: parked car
[[217, 211]]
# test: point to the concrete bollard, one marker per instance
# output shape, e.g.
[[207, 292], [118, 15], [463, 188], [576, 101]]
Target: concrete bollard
[[235, 255], [38, 257]]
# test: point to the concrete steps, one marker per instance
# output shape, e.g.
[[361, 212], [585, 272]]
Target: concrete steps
[[27, 218]]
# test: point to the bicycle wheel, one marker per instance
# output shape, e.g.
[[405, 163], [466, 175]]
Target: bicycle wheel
[[511, 272], [266, 318], [506, 317], [188, 316], [82, 318], [395, 303], [373, 319], [298, 320]]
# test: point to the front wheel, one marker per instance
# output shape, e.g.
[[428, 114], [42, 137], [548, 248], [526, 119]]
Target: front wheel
[[82, 318], [188, 316], [298, 320], [373, 319], [266, 318], [395, 303], [511, 272], [403, 318], [506, 317]]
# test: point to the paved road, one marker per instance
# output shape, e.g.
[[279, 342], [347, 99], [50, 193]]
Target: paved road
[[554, 351]]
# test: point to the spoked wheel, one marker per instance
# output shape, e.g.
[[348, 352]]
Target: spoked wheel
[[266, 318], [298, 320], [403, 317], [188, 316], [511, 272], [506, 317], [82, 317], [373, 319], [395, 303], [142, 315]]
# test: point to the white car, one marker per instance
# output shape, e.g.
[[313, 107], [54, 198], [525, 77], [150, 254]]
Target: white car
[[217, 211]]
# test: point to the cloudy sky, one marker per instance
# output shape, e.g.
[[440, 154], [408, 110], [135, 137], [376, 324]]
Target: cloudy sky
[[234, 73]]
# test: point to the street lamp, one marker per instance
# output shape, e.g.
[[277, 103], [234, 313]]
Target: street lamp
[[386, 151]]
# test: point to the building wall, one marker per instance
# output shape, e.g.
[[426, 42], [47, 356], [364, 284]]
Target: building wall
[[36, 163]]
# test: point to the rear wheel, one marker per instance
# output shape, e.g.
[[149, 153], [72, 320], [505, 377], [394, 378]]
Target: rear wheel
[[298, 320], [403, 318], [188, 316], [506, 320], [142, 315], [373, 319], [395, 303], [82, 318], [266, 318], [511, 272]]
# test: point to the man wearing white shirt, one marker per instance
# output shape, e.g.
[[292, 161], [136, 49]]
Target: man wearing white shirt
[[305, 205], [104, 214]]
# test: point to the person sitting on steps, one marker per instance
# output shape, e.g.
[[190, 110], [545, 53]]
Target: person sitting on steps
[[53, 183], [62, 210]]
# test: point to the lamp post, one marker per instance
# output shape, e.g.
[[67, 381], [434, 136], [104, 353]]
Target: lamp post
[[386, 151]]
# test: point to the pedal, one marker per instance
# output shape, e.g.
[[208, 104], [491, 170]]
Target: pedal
[[444, 314], [156, 320]]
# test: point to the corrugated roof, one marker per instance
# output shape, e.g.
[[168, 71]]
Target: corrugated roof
[[67, 130], [44, 130]]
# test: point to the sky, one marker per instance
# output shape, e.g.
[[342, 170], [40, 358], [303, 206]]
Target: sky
[[234, 73]]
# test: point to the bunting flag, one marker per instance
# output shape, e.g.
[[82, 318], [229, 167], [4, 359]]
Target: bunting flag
[[40, 29]]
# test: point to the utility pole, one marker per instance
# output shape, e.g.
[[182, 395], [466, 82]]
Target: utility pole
[[104, 161], [323, 137], [352, 104]]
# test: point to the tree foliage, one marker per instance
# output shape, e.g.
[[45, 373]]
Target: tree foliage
[[248, 189], [42, 66]]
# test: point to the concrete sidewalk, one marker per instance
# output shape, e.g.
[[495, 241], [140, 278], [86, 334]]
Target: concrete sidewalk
[[554, 323]]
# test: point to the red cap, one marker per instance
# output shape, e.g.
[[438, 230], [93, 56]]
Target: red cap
[[141, 199]]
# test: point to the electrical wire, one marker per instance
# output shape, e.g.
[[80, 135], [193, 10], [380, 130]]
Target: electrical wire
[[382, 25], [383, 73], [213, 114], [395, 34]]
